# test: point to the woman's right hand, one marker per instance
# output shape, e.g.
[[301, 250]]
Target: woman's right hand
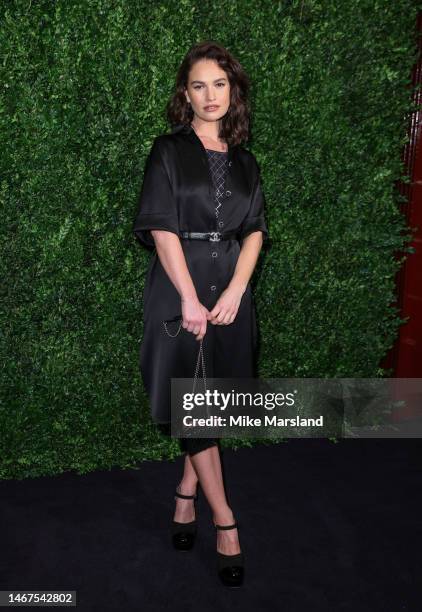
[[194, 316]]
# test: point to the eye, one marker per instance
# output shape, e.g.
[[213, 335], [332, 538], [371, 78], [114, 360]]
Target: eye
[[222, 84], [197, 86]]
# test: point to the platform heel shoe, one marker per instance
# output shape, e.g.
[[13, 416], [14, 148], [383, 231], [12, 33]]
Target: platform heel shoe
[[230, 567], [184, 534]]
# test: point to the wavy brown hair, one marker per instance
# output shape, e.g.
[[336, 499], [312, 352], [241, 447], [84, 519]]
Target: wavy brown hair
[[235, 123]]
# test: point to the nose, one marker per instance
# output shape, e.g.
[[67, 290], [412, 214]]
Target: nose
[[210, 95]]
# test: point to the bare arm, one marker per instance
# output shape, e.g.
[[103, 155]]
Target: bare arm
[[246, 261], [172, 258]]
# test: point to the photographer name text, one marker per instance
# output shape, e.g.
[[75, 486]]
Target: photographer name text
[[247, 421]]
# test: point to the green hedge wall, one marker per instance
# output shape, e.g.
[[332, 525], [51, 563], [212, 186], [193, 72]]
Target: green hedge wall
[[83, 92]]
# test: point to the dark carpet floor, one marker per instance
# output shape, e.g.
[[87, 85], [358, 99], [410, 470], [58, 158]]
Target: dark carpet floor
[[323, 526]]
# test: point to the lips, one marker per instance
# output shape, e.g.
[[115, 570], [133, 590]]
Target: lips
[[211, 108]]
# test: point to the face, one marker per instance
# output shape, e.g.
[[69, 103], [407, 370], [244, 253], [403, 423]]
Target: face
[[208, 85]]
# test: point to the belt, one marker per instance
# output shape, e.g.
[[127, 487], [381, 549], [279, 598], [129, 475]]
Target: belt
[[211, 236]]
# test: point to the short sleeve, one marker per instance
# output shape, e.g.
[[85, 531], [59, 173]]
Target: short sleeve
[[255, 219], [157, 207]]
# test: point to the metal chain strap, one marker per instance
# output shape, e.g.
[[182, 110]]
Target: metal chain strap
[[200, 357], [167, 331]]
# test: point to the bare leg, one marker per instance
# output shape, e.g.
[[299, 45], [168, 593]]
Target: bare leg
[[206, 465], [185, 511]]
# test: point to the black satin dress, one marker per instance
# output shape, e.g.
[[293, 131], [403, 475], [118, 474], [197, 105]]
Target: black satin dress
[[189, 188]]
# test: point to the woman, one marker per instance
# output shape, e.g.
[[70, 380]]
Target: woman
[[202, 207]]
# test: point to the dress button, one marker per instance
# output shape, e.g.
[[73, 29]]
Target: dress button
[[228, 193], [220, 223], [214, 253], [213, 287]]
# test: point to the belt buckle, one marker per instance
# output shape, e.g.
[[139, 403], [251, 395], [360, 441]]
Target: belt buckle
[[215, 236]]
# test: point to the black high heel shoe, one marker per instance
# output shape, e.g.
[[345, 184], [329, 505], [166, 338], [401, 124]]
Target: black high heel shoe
[[184, 534], [230, 567]]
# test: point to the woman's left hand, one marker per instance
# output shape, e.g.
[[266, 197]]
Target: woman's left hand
[[225, 310]]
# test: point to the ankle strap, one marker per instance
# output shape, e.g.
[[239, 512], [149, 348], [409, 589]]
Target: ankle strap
[[186, 496], [234, 526]]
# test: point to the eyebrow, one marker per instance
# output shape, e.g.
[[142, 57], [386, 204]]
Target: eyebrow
[[203, 82]]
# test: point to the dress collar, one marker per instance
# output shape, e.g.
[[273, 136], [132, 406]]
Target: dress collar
[[194, 138]]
